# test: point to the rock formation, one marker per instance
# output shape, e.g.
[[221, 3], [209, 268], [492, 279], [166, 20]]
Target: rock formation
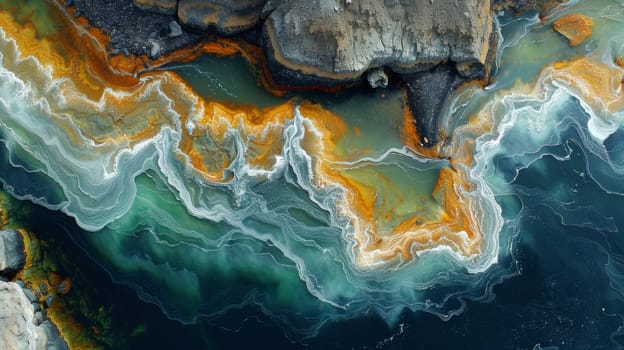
[[133, 30], [21, 327], [574, 27], [23, 324], [167, 7], [377, 78], [427, 91], [336, 40], [225, 16], [17, 320], [12, 256]]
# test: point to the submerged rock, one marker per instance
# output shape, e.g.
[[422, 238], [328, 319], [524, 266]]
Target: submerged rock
[[12, 255], [574, 27], [427, 92], [18, 327]]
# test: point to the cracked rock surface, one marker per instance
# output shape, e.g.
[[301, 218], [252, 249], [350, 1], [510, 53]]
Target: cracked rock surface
[[22, 328]]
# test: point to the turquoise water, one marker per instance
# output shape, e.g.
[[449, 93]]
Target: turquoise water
[[211, 255]]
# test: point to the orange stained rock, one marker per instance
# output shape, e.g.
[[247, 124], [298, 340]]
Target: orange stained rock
[[575, 27]]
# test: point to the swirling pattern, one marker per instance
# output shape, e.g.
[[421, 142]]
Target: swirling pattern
[[206, 207]]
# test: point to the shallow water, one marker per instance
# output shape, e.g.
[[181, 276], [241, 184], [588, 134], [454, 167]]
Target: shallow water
[[320, 221]]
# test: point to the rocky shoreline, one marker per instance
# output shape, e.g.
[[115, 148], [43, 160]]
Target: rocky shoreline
[[323, 43], [23, 320]]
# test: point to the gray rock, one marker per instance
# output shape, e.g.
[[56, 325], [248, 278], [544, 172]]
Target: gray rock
[[43, 288], [23, 328], [62, 288], [38, 318], [12, 255], [328, 38], [17, 327], [226, 16], [166, 7], [154, 48], [55, 341], [427, 92], [174, 29], [377, 78], [130, 27], [30, 295], [49, 300]]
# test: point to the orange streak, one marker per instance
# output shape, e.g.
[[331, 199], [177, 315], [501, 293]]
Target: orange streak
[[574, 27]]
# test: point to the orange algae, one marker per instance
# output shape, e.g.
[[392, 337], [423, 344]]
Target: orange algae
[[599, 84], [574, 27], [130, 117], [39, 278]]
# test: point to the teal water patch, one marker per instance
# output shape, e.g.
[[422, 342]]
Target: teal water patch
[[226, 79]]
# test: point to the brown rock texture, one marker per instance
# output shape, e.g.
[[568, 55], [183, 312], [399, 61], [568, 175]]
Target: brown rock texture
[[226, 16], [167, 7], [574, 27]]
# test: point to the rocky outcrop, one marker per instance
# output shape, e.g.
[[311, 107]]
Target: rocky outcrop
[[377, 78], [12, 255], [23, 324], [133, 30], [427, 91], [339, 40], [574, 27], [326, 42], [167, 7], [225, 16], [543, 6], [21, 327], [333, 39]]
